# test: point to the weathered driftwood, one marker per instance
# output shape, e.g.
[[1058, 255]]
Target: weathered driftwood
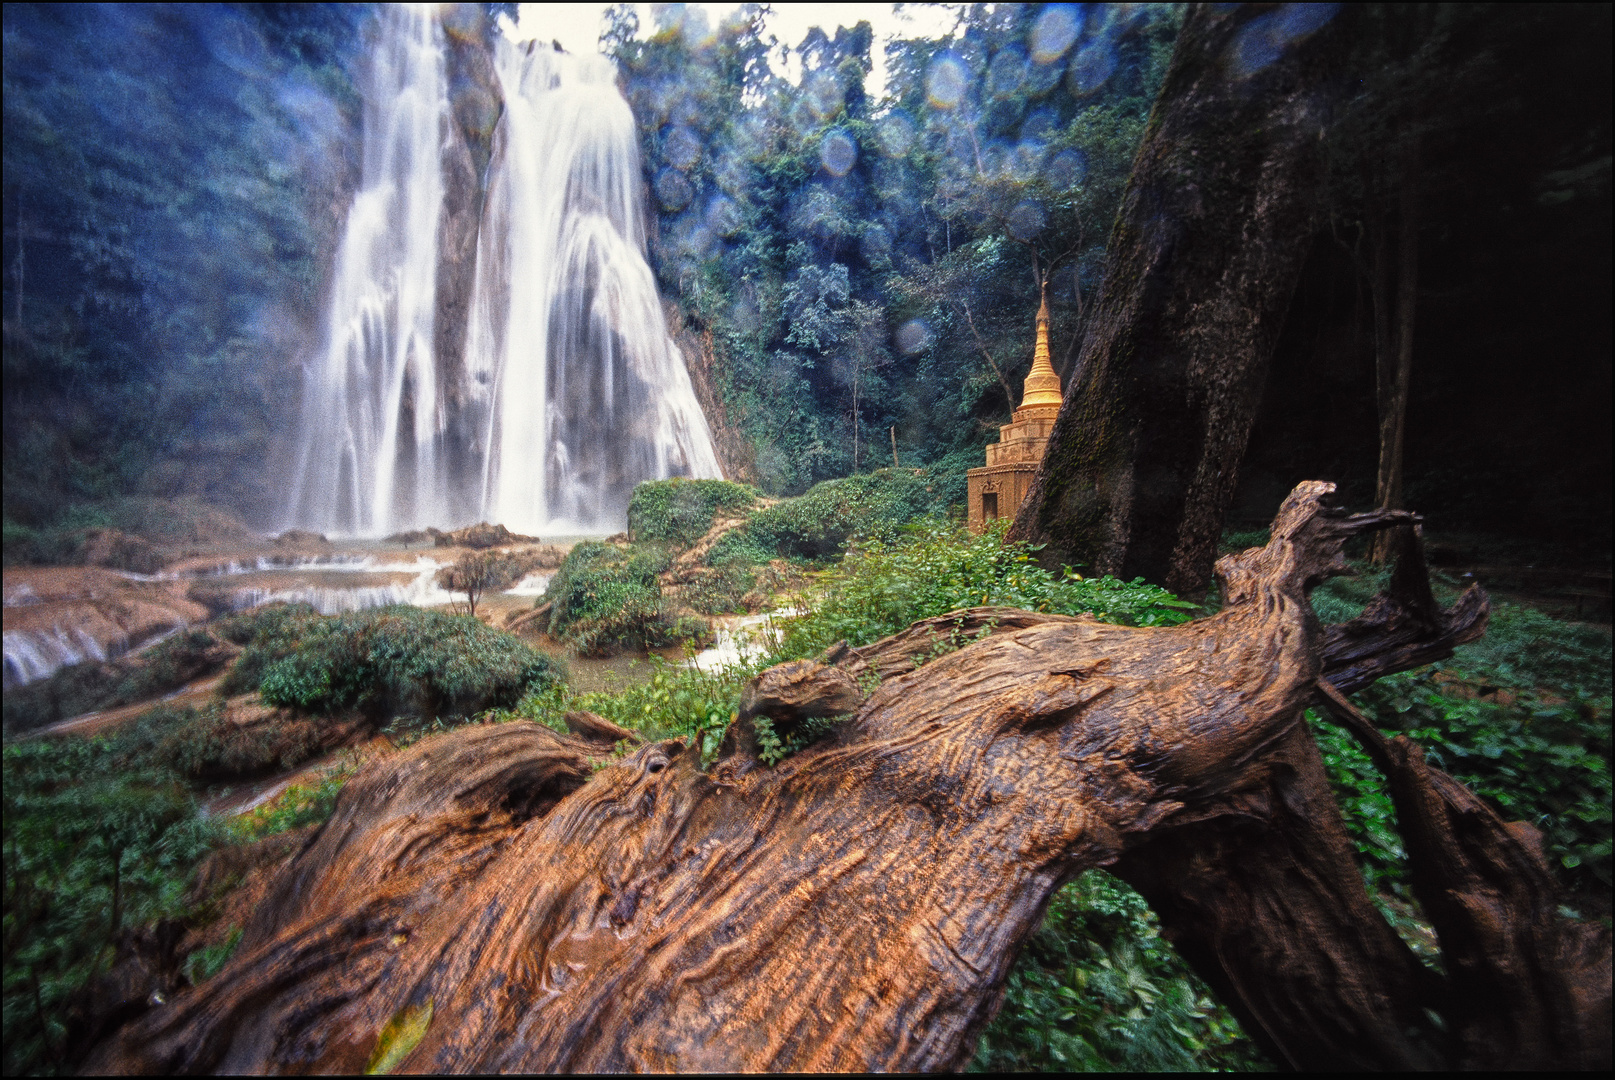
[[859, 906]]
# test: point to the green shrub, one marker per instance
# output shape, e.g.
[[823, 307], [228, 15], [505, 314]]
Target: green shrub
[[403, 660], [818, 524], [721, 591], [605, 598], [680, 511], [266, 634]]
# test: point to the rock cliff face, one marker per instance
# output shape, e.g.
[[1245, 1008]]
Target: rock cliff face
[[475, 103], [702, 357]]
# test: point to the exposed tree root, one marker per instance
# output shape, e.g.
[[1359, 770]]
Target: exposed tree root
[[860, 905]]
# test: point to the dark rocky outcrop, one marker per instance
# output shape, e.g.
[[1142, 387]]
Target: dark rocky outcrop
[[736, 455]]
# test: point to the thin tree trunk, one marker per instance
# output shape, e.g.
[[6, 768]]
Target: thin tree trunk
[[1208, 244], [1393, 381], [117, 892], [1009, 391]]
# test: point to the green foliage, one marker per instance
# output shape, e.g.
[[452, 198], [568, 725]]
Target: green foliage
[[1521, 717], [402, 660], [818, 524], [607, 598], [209, 960], [310, 803], [203, 743], [266, 634], [676, 701], [100, 835], [721, 591], [92, 846], [938, 568], [679, 511], [1098, 990]]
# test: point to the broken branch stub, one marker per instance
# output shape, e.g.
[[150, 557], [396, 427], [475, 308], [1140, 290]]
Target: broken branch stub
[[860, 905]]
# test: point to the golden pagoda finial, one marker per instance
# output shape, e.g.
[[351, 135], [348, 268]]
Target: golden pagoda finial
[[1042, 387]]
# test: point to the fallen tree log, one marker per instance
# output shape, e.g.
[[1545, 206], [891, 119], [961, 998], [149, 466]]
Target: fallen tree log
[[480, 902]]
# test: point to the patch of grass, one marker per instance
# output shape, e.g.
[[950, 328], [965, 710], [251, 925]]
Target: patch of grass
[[309, 803], [680, 511], [208, 961]]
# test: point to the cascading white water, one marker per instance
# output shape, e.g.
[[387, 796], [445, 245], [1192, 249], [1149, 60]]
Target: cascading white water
[[369, 458], [583, 393], [570, 383]]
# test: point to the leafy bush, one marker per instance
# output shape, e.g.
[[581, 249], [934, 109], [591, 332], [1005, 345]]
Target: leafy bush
[[721, 591], [606, 598], [818, 523], [680, 511], [676, 701], [266, 634], [404, 660]]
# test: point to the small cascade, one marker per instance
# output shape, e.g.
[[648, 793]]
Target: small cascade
[[583, 394], [36, 654], [336, 585], [571, 391], [370, 459]]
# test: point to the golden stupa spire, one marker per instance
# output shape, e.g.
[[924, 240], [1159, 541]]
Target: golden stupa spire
[[1042, 385]]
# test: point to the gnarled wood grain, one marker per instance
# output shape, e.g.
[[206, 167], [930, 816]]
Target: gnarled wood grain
[[860, 905]]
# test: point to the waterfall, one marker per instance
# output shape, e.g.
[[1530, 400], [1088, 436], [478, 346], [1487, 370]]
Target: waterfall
[[571, 392], [369, 460], [583, 392]]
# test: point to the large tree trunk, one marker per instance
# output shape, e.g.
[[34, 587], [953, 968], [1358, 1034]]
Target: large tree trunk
[[1204, 256], [860, 905], [1393, 367]]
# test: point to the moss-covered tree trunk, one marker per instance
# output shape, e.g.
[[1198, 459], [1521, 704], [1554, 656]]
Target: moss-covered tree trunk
[[481, 903], [1206, 249]]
